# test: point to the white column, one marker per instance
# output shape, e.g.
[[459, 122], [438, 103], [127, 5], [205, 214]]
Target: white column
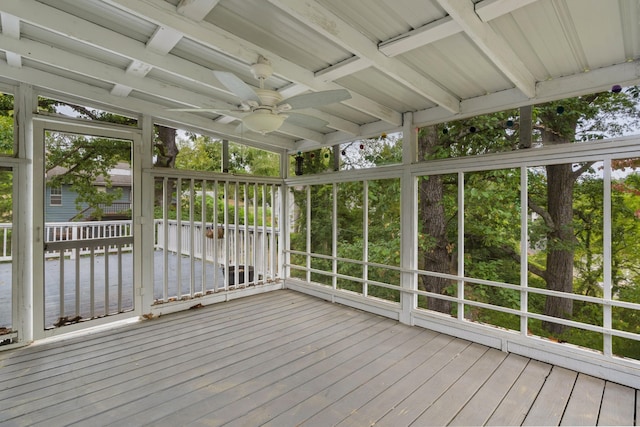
[[409, 219], [29, 234], [284, 226], [143, 199]]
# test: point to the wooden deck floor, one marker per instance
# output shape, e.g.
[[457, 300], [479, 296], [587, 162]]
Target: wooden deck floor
[[284, 359]]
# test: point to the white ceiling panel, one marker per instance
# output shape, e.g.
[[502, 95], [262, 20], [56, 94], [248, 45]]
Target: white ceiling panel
[[438, 59]]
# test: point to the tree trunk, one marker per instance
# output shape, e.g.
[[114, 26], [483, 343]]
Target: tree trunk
[[560, 241], [434, 256], [167, 151]]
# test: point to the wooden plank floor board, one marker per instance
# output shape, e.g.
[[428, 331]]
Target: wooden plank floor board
[[637, 408], [105, 346], [56, 363], [302, 387], [338, 390], [617, 407], [188, 396], [284, 358], [552, 399], [253, 391], [484, 402], [445, 408], [515, 406], [97, 376], [583, 407], [201, 370], [393, 395], [407, 411], [108, 376], [365, 392]]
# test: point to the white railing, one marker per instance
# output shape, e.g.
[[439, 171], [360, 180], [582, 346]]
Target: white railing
[[71, 231], [224, 244], [5, 242], [86, 231]]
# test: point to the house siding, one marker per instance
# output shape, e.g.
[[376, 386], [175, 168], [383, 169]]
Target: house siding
[[67, 211]]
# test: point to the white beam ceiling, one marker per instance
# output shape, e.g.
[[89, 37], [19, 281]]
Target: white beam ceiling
[[186, 20], [332, 27], [216, 38], [11, 28]]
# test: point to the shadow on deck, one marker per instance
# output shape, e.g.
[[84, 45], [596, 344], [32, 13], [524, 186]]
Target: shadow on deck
[[283, 358]]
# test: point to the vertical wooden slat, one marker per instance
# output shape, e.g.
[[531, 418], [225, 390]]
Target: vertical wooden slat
[[192, 238], [92, 294], [77, 260], [236, 246], [254, 246], [216, 264], [245, 234], [165, 233], [267, 270], [61, 285], [277, 193], [225, 248], [179, 238], [106, 282], [119, 278], [203, 235]]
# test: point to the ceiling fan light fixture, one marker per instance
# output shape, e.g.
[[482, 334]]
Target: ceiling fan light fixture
[[264, 121]]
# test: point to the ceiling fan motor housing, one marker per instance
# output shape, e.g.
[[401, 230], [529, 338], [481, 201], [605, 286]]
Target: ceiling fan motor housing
[[262, 69]]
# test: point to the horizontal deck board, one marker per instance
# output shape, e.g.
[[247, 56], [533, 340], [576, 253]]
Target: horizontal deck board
[[284, 358]]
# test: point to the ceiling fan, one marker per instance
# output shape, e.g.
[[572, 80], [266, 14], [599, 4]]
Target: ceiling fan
[[264, 108]]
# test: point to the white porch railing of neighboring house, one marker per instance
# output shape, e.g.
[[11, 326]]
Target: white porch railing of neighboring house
[[70, 231], [86, 230], [5, 242]]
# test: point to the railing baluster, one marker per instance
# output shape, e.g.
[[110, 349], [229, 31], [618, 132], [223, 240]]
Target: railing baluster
[[192, 236], [92, 296], [61, 285], [106, 282], [119, 278]]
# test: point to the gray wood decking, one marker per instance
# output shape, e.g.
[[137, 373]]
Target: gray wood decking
[[283, 359]]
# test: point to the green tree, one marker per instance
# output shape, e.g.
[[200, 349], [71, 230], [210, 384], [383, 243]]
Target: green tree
[[579, 119]]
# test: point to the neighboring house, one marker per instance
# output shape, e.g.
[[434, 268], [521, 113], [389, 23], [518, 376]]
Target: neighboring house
[[60, 203]]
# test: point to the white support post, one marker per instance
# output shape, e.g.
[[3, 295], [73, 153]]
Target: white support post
[[143, 200], [524, 246], [28, 231], [334, 236], [365, 238], [283, 221], [460, 284], [607, 321], [409, 220]]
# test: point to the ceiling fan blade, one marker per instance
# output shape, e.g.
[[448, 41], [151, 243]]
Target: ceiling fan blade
[[237, 86], [304, 120], [316, 99]]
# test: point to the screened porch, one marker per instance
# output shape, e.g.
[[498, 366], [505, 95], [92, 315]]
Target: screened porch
[[285, 212]]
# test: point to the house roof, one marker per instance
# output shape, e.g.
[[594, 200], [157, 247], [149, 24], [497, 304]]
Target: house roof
[[120, 175], [438, 59]]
